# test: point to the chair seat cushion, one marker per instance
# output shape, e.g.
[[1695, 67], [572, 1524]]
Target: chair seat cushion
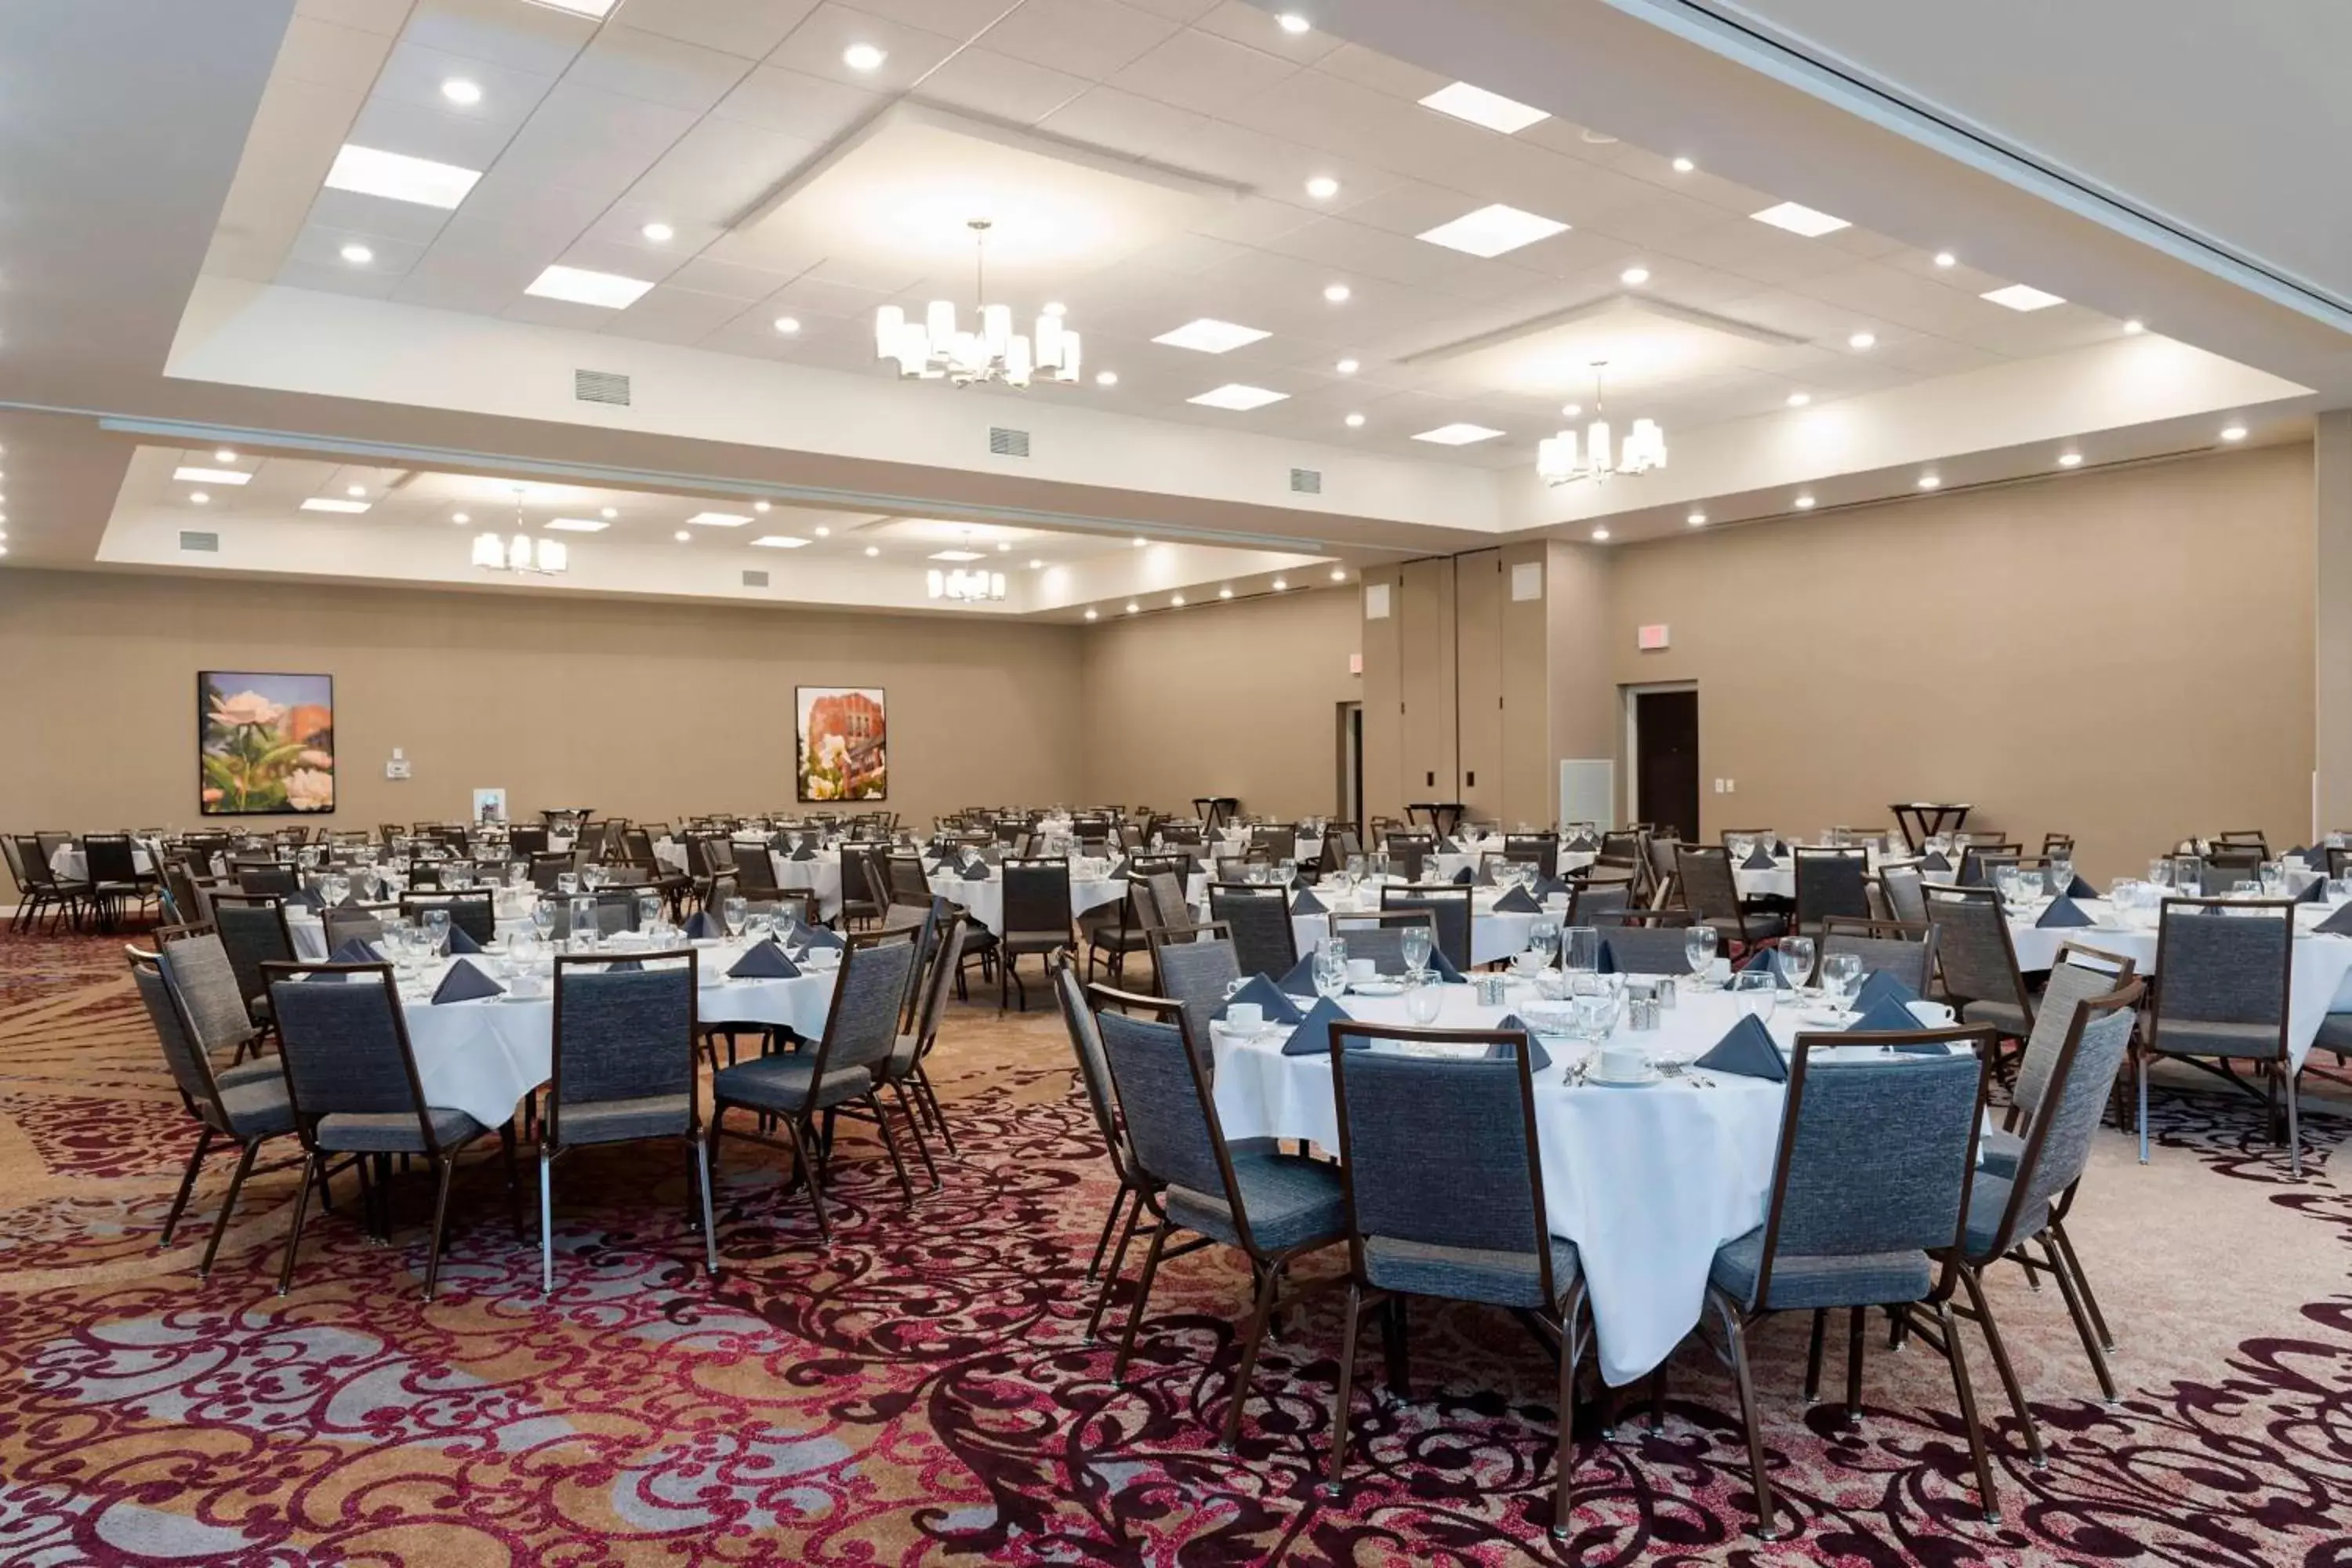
[[2007, 1016], [1467, 1273], [1862, 1280], [782, 1083], [2181, 1037], [1988, 1196], [257, 1107], [394, 1132], [1111, 937], [260, 1070], [902, 1057], [1035, 941], [619, 1121], [1999, 1152], [1758, 927], [1289, 1200]]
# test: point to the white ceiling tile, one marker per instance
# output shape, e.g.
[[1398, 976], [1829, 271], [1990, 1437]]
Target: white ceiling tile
[[1176, 10], [1390, 76], [958, 19], [752, 28], [583, 135], [1246, 24], [725, 279], [985, 82], [413, 74], [721, 169], [1661, 218], [419, 131], [411, 221], [1120, 122], [1091, 37], [327, 54], [1359, 249], [658, 69], [1749, 250], [797, 104], [386, 16], [1208, 75], [669, 315], [881, 277], [545, 313], [335, 278], [525, 37], [811, 297], [1253, 220], [1189, 254], [321, 246], [816, 48], [475, 293]]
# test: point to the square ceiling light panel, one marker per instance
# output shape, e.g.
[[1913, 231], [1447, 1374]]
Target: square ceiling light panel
[[903, 191], [212, 476], [1801, 220], [579, 525], [1237, 397], [2023, 297], [1479, 107], [330, 503], [372, 172], [780, 540], [1457, 434], [718, 519], [581, 287], [1492, 230], [1210, 336]]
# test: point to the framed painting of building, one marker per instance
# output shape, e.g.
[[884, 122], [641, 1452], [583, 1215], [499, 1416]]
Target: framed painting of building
[[265, 744], [843, 743]]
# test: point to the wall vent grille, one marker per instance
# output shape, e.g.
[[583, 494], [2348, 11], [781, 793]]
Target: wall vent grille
[[1003, 443], [755, 579], [207, 543], [606, 387], [1307, 481]]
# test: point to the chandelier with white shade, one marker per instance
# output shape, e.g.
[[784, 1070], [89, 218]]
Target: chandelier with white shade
[[961, 587], [522, 553], [1562, 460], [937, 349]]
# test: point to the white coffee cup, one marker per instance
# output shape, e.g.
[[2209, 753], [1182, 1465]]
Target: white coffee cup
[[1622, 1063], [1362, 969], [1932, 1015], [1244, 1016]]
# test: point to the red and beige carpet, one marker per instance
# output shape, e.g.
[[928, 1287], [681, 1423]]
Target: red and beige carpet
[[923, 1390]]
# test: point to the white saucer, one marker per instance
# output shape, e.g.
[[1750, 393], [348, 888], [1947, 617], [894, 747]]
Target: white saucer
[[1829, 1018], [1376, 987], [1648, 1078]]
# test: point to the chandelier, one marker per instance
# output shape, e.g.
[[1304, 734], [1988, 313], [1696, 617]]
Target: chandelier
[[963, 587], [1560, 461], [522, 554], [934, 349]]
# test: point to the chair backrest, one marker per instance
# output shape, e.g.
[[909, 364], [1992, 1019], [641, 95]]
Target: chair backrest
[[862, 1030], [190, 1069], [1830, 882], [1162, 1088], [1904, 949], [2223, 962], [345, 1046], [109, 858], [906, 879], [473, 910], [1598, 905], [1906, 897], [1194, 974], [1381, 936], [1439, 1152], [2225, 866], [274, 881], [1259, 919], [343, 922], [1037, 896], [1708, 889], [1972, 945], [2080, 1076], [1540, 849], [252, 930], [1650, 945], [206, 986], [1085, 1045], [1449, 910], [937, 985], [1875, 1156], [1165, 893], [755, 872], [622, 1033], [1980, 863], [2081, 976]]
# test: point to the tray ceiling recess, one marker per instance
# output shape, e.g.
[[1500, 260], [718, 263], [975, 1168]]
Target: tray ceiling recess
[[1649, 345]]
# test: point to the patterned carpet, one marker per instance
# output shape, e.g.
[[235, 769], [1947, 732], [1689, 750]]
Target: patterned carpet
[[923, 1392]]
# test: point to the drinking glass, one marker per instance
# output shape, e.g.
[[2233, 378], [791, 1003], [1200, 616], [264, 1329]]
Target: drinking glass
[[542, 918], [1841, 978], [567, 882], [2336, 891], [2189, 877], [731, 912], [2274, 876], [437, 928], [1753, 993], [1595, 1011], [1580, 951], [583, 922], [1331, 975], [1423, 1000], [1286, 872], [648, 911], [1794, 957], [2160, 872], [1698, 950], [1543, 935], [1415, 943]]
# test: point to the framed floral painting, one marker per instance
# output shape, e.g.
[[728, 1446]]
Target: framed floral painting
[[265, 743], [844, 742]]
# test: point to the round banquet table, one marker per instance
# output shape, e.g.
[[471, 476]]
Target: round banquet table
[[71, 864], [819, 874], [983, 899], [1647, 1182], [1493, 937]]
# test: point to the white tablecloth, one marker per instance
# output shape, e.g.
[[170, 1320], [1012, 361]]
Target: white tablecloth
[[820, 874], [69, 864], [1493, 937], [984, 900], [1647, 1182]]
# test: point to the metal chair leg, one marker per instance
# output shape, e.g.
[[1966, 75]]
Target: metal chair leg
[[294, 1236], [546, 1225], [2142, 1110], [915, 1126], [1269, 1286], [809, 1173], [1954, 1353], [187, 1185], [939, 1112], [1813, 1356], [1853, 1322], [2082, 1329], [890, 1143], [1142, 1299], [2082, 1283], [709, 1227], [1109, 1227], [228, 1207], [1571, 1351], [448, 1163], [2002, 1365], [1735, 1340], [1342, 1394]]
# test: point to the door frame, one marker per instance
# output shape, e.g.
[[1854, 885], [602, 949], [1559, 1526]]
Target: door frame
[[1628, 698]]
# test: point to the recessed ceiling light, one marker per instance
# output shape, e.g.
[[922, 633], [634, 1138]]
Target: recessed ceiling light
[[355, 491], [358, 254], [1054, 309], [1863, 341], [1338, 573], [1697, 519], [458, 89], [718, 519], [1322, 187], [1106, 378], [459, 517], [577, 524], [1004, 547], [1132, 607], [2234, 433], [1280, 584], [330, 503], [198, 497], [1684, 165], [1090, 614], [2023, 297], [873, 549], [1210, 336], [1801, 220], [1799, 399], [1337, 294], [658, 233], [1177, 600], [610, 512], [957, 555], [1291, 22], [1929, 482], [1140, 543], [2070, 459], [2134, 325], [822, 532], [212, 476], [780, 541], [788, 325], [1225, 593], [1036, 565], [223, 456], [1599, 534], [756, 506], [372, 172], [1479, 107], [1804, 503], [1347, 367], [581, 287], [1237, 396], [682, 536], [1460, 434], [863, 56], [1633, 277], [1493, 230], [1355, 421], [1570, 410]]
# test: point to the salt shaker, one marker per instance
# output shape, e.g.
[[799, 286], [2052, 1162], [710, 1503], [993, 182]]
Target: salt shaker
[[1642, 1013]]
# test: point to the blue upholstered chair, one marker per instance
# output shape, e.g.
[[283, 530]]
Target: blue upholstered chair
[[1449, 907], [2225, 971], [1094, 1075], [1258, 917]]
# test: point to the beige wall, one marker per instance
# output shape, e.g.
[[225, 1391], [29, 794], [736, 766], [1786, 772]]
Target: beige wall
[[646, 710], [1237, 699], [2126, 657]]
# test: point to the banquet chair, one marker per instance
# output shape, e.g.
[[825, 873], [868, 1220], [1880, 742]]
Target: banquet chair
[[1116, 931], [1036, 920], [924, 920], [1868, 1208], [252, 928], [2057, 843], [860, 1032], [1450, 911], [1258, 916], [1195, 966], [38, 887], [1978, 959], [1901, 948], [113, 866], [350, 1077], [1272, 1207], [2225, 866], [1441, 1180], [861, 904], [1379, 935], [273, 881], [623, 1068], [904, 1073], [1653, 942], [1905, 892], [522, 843], [1980, 863], [1094, 1077], [1408, 852], [1711, 893], [473, 910], [2245, 835], [907, 882], [211, 1001], [1540, 850], [340, 923], [1163, 893], [755, 872], [2224, 971], [1828, 882], [2008, 1210]]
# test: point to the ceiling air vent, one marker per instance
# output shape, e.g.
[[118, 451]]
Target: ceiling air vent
[[606, 387], [755, 579], [1003, 443], [207, 543], [1307, 481]]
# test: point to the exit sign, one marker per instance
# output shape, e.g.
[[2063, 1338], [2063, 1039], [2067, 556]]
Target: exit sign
[[1648, 637]]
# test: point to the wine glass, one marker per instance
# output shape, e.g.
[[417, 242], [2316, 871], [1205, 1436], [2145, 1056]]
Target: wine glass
[[1841, 978], [1700, 943], [1753, 993], [437, 928], [731, 912], [1423, 1000], [2273, 879], [543, 918], [1286, 872], [1415, 943], [567, 882], [583, 913], [1580, 951], [1794, 958], [2189, 877], [1543, 935], [2062, 874]]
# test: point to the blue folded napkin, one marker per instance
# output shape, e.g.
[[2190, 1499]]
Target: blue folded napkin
[[1502, 1050], [1516, 903], [1443, 966], [1885, 1016], [1746, 1049], [974, 871], [1117, 869], [1301, 980], [2314, 892], [703, 923], [464, 983], [2315, 859], [807, 851], [309, 900], [1605, 961], [1581, 845], [1758, 861], [1546, 886], [354, 950], [1465, 875], [765, 960], [626, 966], [1312, 1037], [2337, 924], [2079, 888], [1307, 903], [1931, 861], [1971, 873], [2062, 913], [459, 943], [1449, 847], [1761, 959], [1879, 987], [817, 936], [1257, 988]]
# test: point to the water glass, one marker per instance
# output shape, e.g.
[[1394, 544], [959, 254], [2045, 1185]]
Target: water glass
[[1543, 935], [543, 917], [1795, 958], [2273, 879], [1423, 1000], [1698, 950], [567, 882], [1595, 1012], [437, 928], [2160, 872], [1580, 951], [1286, 872], [2336, 891], [731, 912], [2189, 877], [2062, 874], [649, 908], [1415, 943], [1331, 975], [1753, 993], [1841, 978], [583, 922]]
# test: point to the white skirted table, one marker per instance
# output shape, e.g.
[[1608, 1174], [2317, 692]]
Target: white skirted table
[[983, 898]]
